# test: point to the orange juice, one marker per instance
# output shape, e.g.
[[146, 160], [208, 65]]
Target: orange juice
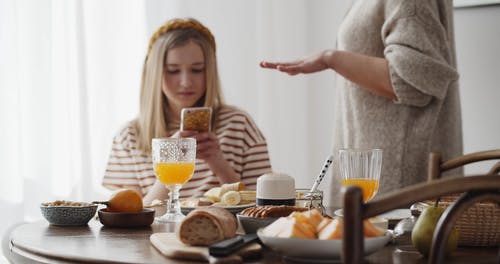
[[175, 172], [368, 186]]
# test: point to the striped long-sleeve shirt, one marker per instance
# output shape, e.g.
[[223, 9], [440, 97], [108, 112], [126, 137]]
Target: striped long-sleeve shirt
[[241, 142]]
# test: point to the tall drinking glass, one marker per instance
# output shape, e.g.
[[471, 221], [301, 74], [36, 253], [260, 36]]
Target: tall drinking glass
[[173, 163], [361, 167]]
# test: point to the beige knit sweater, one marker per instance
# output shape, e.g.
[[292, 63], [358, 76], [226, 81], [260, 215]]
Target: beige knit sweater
[[417, 39]]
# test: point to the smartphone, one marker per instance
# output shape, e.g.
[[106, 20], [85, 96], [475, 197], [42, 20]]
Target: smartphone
[[196, 119]]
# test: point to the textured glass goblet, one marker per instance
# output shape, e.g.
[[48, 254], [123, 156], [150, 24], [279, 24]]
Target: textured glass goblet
[[173, 162]]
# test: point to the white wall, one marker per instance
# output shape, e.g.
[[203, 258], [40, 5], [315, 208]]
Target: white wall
[[477, 36]]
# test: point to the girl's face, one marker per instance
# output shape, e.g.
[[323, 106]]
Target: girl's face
[[184, 77]]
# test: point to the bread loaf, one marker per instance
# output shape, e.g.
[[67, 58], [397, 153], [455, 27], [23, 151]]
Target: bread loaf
[[207, 225]]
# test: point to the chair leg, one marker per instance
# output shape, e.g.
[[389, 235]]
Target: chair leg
[[450, 216], [352, 239]]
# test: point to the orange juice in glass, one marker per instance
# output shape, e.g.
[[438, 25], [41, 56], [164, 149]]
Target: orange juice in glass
[[174, 172], [173, 163], [361, 167], [368, 186]]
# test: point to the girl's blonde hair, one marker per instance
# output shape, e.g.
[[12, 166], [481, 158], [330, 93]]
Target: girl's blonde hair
[[154, 120]]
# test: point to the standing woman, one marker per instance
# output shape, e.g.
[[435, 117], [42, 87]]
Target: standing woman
[[398, 89], [180, 71]]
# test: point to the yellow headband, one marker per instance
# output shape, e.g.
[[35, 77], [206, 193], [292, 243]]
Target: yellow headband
[[179, 23]]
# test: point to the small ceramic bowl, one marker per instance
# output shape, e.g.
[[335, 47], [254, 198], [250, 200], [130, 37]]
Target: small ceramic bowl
[[251, 224], [66, 215], [379, 221], [139, 219]]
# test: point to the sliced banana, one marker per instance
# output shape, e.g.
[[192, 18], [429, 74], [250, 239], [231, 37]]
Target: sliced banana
[[226, 187], [213, 194], [249, 196], [231, 198]]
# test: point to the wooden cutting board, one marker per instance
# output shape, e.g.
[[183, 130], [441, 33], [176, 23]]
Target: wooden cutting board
[[171, 247]]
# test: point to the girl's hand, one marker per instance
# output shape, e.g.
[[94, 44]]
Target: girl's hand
[[177, 134], [208, 149], [207, 145]]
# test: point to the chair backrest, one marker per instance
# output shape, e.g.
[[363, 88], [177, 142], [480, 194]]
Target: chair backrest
[[476, 188], [437, 166], [472, 233]]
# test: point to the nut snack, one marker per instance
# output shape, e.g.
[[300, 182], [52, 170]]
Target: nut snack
[[66, 203]]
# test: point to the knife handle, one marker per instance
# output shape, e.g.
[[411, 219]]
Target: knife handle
[[226, 247]]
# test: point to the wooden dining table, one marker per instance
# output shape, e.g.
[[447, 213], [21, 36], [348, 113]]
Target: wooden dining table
[[40, 242]]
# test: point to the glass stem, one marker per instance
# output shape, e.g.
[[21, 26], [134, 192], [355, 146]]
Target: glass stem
[[173, 206]]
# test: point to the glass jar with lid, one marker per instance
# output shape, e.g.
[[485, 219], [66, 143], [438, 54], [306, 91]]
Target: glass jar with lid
[[306, 199]]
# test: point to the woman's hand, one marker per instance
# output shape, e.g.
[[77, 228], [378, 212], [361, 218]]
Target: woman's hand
[[314, 63], [369, 72]]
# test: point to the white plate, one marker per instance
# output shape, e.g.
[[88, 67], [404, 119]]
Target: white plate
[[319, 249], [233, 209], [397, 214]]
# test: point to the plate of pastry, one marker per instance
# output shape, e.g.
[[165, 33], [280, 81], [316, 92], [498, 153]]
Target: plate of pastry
[[308, 235]]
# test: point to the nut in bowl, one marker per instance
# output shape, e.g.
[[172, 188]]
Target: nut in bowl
[[67, 213]]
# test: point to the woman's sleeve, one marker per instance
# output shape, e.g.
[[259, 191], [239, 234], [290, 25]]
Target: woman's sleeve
[[120, 170], [256, 157], [420, 56]]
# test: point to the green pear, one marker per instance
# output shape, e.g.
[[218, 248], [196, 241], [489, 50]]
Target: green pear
[[421, 235]]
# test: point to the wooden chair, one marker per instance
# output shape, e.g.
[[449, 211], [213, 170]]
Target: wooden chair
[[472, 233], [437, 166], [475, 189]]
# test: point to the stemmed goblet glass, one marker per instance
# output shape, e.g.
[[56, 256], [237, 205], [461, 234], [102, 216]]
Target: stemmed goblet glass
[[173, 163]]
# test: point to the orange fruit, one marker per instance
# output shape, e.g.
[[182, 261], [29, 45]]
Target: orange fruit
[[126, 201]]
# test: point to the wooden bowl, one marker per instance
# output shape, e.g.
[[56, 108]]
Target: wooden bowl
[[127, 220]]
